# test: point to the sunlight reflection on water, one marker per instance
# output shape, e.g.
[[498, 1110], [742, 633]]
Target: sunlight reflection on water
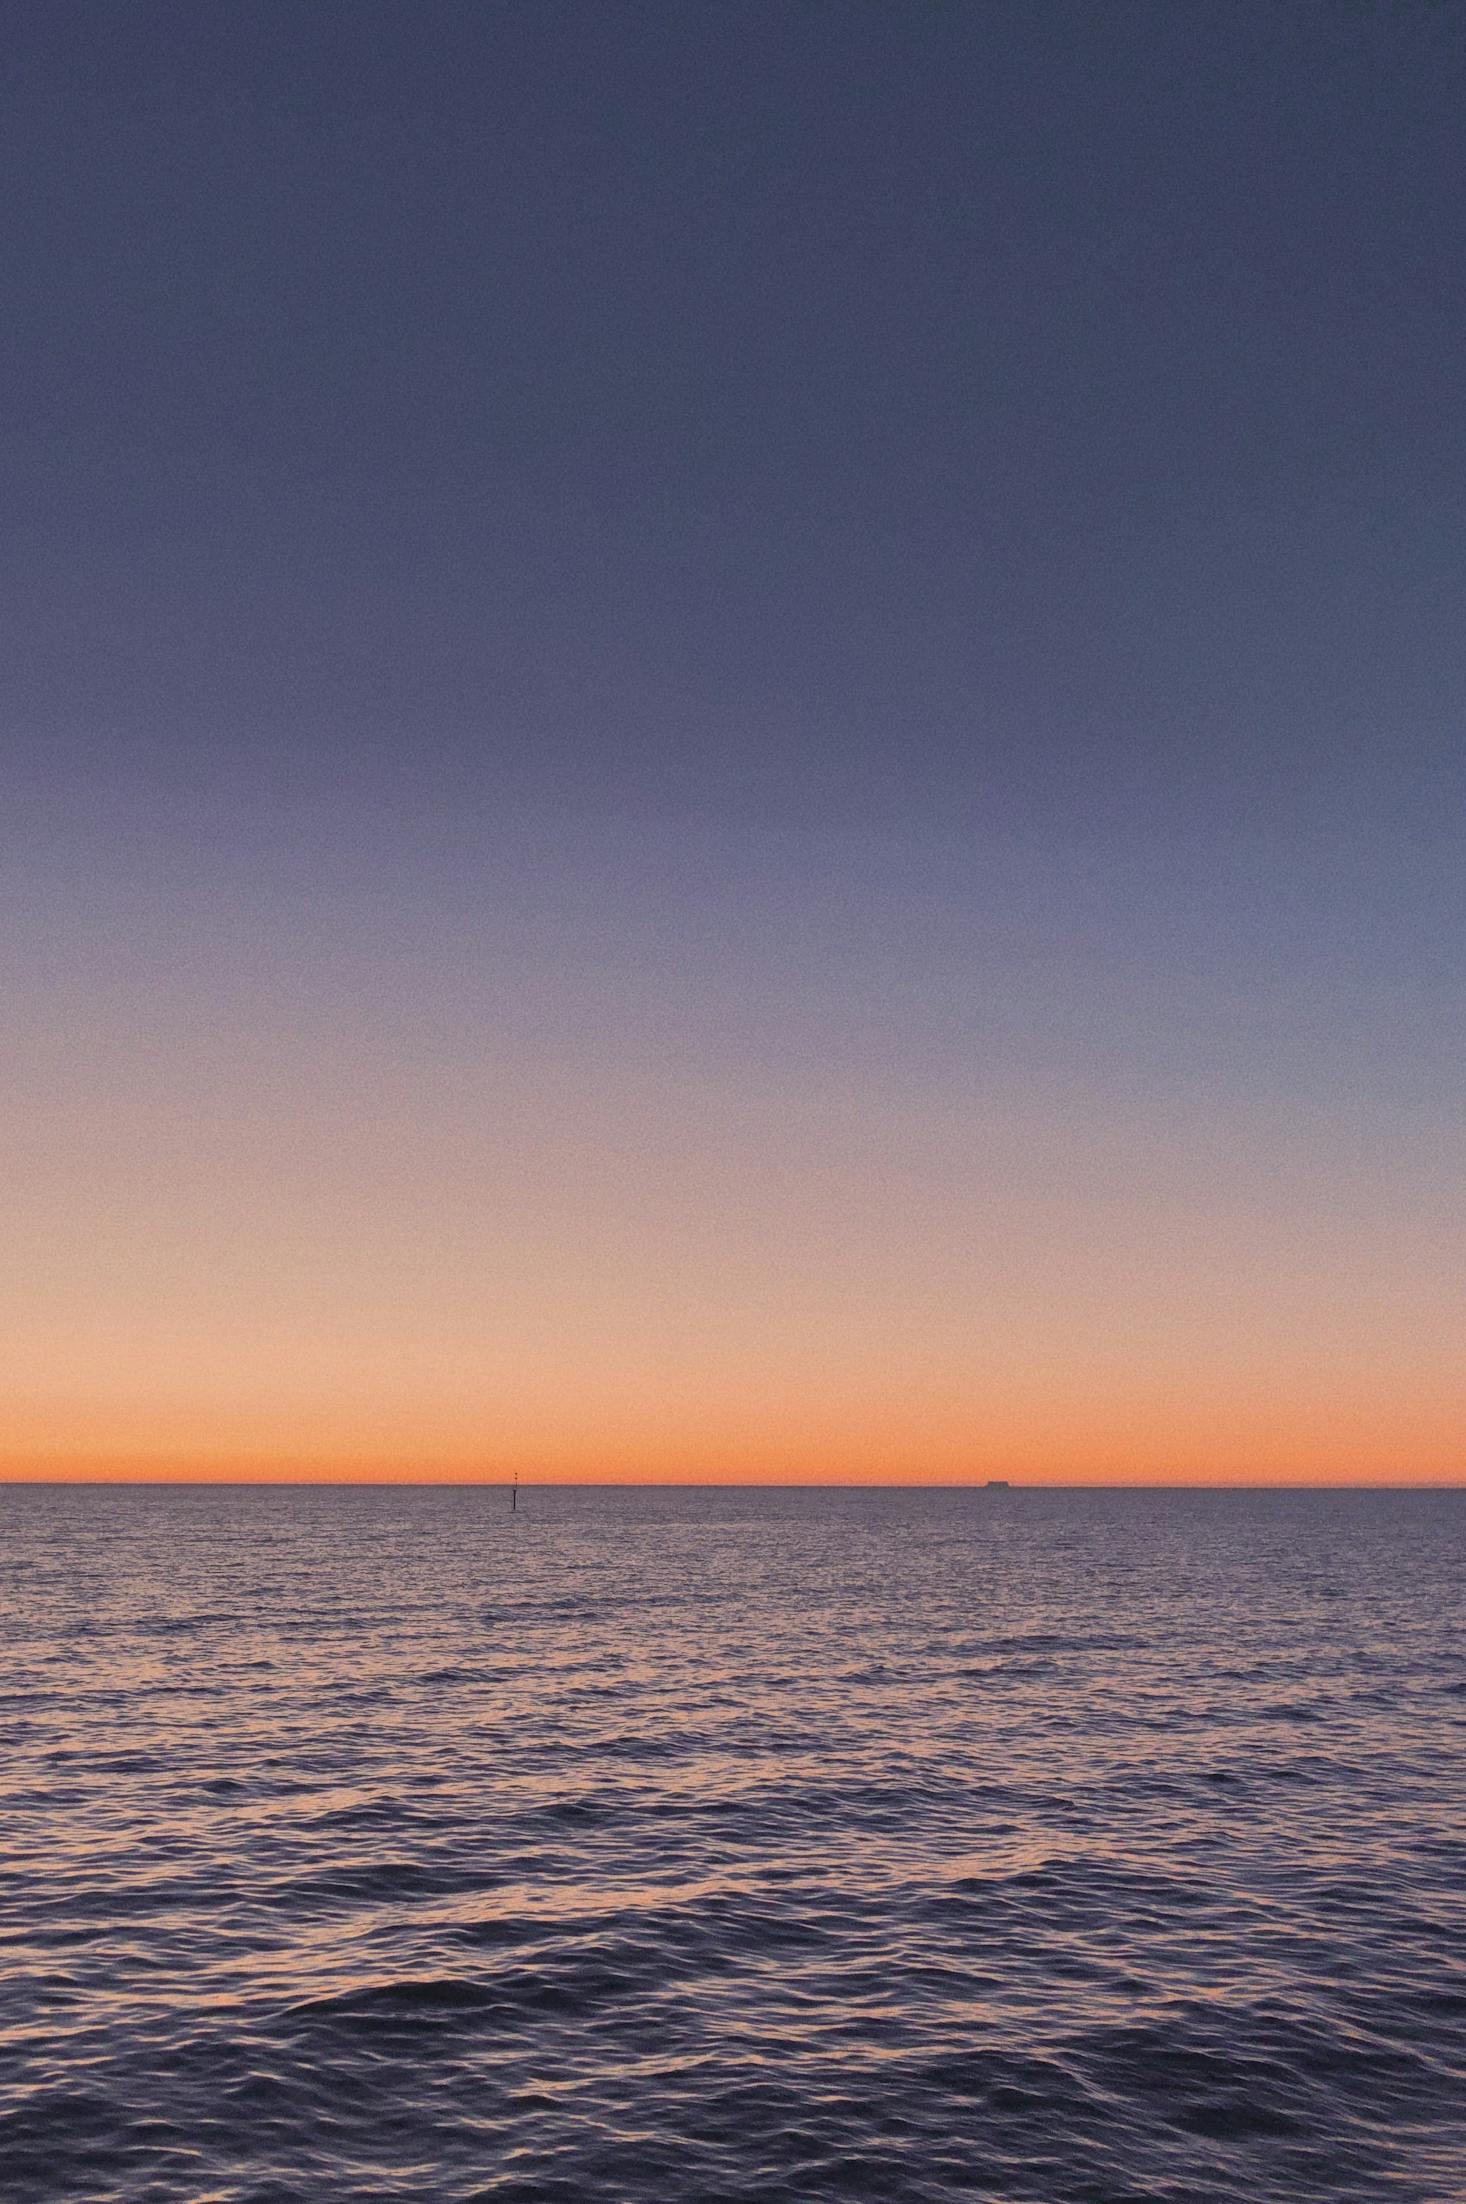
[[732, 1845]]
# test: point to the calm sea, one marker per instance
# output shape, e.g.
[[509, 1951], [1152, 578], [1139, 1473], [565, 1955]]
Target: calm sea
[[704, 1844]]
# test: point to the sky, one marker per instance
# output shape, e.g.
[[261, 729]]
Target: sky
[[732, 740]]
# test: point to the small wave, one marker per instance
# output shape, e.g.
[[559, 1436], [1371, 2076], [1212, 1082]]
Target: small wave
[[791, 1848]]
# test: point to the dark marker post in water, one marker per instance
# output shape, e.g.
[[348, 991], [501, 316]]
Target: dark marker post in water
[[514, 1495]]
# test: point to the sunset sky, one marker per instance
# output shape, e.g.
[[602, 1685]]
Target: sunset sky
[[733, 741]]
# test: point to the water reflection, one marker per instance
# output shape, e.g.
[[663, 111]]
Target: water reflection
[[732, 1845]]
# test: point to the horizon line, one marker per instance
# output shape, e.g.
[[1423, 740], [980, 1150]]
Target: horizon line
[[750, 1484]]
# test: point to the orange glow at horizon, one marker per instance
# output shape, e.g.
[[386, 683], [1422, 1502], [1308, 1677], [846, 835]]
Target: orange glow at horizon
[[346, 1258], [1074, 1442]]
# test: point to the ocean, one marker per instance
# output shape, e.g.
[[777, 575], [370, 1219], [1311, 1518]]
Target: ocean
[[707, 1844]]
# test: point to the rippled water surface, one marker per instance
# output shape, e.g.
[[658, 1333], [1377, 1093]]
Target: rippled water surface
[[705, 1845]]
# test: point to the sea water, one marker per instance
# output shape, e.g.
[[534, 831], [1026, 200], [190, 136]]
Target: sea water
[[701, 1844]]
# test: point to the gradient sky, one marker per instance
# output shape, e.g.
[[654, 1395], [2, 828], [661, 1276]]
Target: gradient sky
[[733, 740]]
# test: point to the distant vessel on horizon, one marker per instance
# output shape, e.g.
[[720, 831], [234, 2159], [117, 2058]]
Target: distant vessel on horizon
[[997, 1484]]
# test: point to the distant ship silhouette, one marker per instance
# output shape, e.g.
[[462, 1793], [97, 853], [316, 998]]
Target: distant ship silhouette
[[997, 1484]]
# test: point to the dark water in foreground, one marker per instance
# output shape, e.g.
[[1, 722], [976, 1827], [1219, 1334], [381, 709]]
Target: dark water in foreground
[[704, 1845]]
